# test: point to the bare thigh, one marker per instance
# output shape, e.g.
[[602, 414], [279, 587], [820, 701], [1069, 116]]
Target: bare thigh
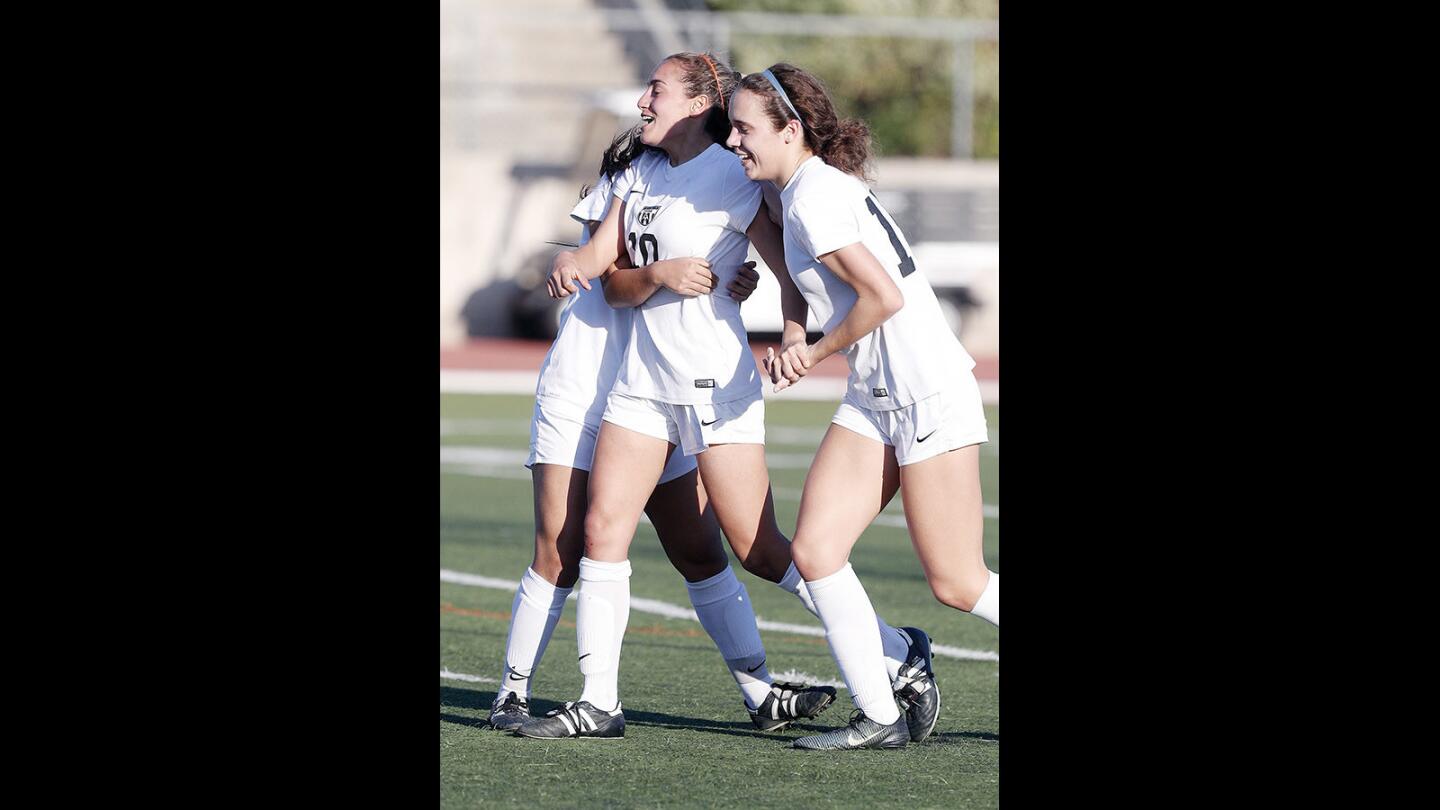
[[944, 510], [626, 468], [850, 481]]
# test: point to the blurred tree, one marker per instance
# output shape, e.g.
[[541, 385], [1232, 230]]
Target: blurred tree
[[900, 87]]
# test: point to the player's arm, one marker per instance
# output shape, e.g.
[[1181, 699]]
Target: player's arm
[[572, 267], [877, 298], [622, 262], [769, 242], [689, 276]]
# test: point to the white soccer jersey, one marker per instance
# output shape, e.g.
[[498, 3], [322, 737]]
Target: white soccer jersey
[[585, 358], [689, 350], [914, 353]]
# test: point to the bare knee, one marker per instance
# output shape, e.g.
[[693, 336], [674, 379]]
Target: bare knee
[[699, 559], [960, 593], [813, 560], [761, 567], [603, 540], [761, 557], [769, 557]]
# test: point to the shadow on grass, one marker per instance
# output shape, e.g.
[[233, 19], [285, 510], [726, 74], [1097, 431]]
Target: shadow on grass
[[473, 722], [635, 717], [456, 697], [960, 736]]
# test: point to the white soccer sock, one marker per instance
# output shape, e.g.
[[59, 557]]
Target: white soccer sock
[[533, 616], [600, 619], [987, 606], [853, 632], [723, 605], [895, 643]]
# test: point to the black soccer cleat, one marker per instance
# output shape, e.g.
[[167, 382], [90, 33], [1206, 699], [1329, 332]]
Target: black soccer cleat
[[861, 733], [915, 688], [575, 720], [507, 715], [788, 702]]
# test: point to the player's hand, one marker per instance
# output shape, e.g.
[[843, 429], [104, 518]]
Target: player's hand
[[746, 279], [771, 364], [689, 277], [564, 275], [788, 367]]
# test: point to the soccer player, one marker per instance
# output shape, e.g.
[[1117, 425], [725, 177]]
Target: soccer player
[[911, 418], [575, 379], [687, 383]]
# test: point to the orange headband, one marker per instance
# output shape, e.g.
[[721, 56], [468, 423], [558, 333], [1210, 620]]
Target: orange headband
[[720, 94]]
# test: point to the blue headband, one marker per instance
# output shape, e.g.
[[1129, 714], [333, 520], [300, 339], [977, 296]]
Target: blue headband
[[770, 77]]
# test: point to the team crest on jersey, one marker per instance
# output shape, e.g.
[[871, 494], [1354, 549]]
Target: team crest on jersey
[[648, 213]]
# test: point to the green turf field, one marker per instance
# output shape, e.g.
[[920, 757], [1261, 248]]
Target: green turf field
[[688, 740]]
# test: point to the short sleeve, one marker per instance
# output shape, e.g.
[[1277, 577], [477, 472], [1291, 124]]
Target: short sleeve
[[595, 204], [822, 224], [741, 197]]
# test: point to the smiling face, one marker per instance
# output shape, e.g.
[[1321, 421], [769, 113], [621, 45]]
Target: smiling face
[[665, 109], [765, 153]]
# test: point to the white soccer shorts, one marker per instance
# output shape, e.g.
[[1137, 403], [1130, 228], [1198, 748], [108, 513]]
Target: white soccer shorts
[[939, 423], [691, 428], [568, 442]]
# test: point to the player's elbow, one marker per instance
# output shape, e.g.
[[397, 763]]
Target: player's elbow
[[890, 301], [615, 295]]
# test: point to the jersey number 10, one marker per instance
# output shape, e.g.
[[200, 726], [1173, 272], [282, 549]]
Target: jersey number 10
[[647, 242]]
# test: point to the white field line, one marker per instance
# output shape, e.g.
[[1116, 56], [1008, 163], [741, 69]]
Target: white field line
[[460, 676], [672, 611], [484, 456], [482, 471], [796, 676]]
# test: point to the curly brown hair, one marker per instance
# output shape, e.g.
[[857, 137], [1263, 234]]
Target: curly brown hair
[[842, 143]]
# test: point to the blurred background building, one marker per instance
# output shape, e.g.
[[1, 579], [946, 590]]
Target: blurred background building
[[532, 93]]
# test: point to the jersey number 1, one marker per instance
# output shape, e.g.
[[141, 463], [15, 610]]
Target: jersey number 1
[[645, 248], [907, 264]]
